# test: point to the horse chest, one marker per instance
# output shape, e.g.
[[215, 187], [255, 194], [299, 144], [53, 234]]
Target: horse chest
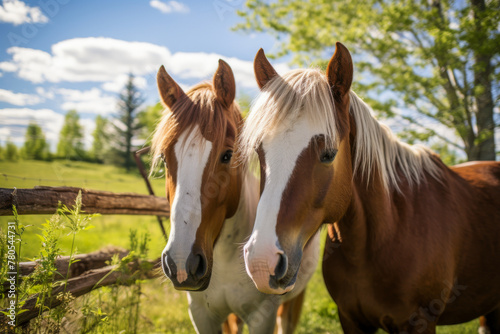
[[364, 294], [230, 289]]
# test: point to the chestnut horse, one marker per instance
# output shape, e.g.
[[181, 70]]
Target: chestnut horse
[[412, 243], [213, 199]]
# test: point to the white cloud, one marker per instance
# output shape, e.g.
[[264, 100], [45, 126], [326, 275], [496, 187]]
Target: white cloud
[[30, 64], [48, 94], [19, 99], [8, 67], [17, 119], [87, 101], [109, 61], [13, 123], [17, 12], [88, 125], [117, 85], [86, 59], [169, 6], [5, 133]]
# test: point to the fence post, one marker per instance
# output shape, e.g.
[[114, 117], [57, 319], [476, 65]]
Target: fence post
[[140, 165]]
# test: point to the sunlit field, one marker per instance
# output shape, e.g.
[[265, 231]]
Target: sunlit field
[[162, 308]]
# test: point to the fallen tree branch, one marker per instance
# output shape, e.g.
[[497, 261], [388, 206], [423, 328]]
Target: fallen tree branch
[[84, 262], [79, 286]]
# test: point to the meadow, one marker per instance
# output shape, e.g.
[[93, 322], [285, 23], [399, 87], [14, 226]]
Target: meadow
[[162, 308]]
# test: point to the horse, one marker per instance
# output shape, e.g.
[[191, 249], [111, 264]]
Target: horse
[[213, 199], [411, 243]]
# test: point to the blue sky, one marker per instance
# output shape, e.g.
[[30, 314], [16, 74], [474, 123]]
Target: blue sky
[[57, 55]]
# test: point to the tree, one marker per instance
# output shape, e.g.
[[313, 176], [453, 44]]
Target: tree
[[126, 124], [101, 138], [245, 101], [148, 119], [70, 144], [11, 151], [35, 147], [440, 58]]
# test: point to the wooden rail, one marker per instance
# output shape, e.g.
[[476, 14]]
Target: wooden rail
[[44, 200], [78, 286], [84, 262]]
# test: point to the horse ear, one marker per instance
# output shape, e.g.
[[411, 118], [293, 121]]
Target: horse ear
[[225, 87], [340, 71], [263, 69], [169, 90]]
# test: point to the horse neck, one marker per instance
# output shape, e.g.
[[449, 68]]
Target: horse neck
[[375, 214], [369, 220], [239, 227]]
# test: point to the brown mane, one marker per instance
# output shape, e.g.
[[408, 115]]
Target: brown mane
[[199, 107]]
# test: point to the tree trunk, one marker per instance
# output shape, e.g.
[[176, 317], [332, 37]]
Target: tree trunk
[[128, 160], [485, 143]]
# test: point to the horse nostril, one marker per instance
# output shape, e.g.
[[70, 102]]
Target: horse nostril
[[194, 263], [168, 265], [281, 267], [197, 266]]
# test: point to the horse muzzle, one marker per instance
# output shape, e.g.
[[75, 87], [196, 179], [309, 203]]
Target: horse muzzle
[[192, 274], [270, 271]]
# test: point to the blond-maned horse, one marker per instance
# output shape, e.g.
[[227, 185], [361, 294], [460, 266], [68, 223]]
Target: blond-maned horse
[[213, 200], [412, 243]]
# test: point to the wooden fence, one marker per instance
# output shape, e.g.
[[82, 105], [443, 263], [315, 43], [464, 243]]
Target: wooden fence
[[45, 200], [92, 270]]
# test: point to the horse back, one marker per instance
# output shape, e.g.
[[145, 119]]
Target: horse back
[[483, 174], [478, 252]]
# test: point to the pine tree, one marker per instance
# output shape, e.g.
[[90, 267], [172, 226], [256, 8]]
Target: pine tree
[[126, 124]]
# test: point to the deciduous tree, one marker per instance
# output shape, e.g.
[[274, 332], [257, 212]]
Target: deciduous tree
[[35, 147], [439, 58], [70, 144]]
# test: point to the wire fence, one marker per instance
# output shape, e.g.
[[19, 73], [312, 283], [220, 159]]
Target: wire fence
[[6, 177]]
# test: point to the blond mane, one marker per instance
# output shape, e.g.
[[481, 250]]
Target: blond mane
[[306, 93]]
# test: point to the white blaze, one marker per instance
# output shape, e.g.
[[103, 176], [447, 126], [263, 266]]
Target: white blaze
[[281, 150], [192, 153]]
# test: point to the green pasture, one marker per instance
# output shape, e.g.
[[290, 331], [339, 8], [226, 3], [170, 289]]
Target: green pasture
[[163, 309]]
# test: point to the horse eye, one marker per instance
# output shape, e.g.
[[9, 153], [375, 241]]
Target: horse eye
[[328, 156], [226, 157]]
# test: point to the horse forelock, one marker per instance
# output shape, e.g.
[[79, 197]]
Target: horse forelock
[[200, 107], [301, 93], [306, 94]]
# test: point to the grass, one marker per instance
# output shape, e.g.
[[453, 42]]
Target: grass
[[164, 309]]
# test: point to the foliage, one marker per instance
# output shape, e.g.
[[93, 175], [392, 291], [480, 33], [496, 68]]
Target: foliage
[[43, 278], [70, 144], [123, 306], [100, 145], [439, 58], [244, 102], [126, 125], [35, 147], [148, 119], [11, 152]]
